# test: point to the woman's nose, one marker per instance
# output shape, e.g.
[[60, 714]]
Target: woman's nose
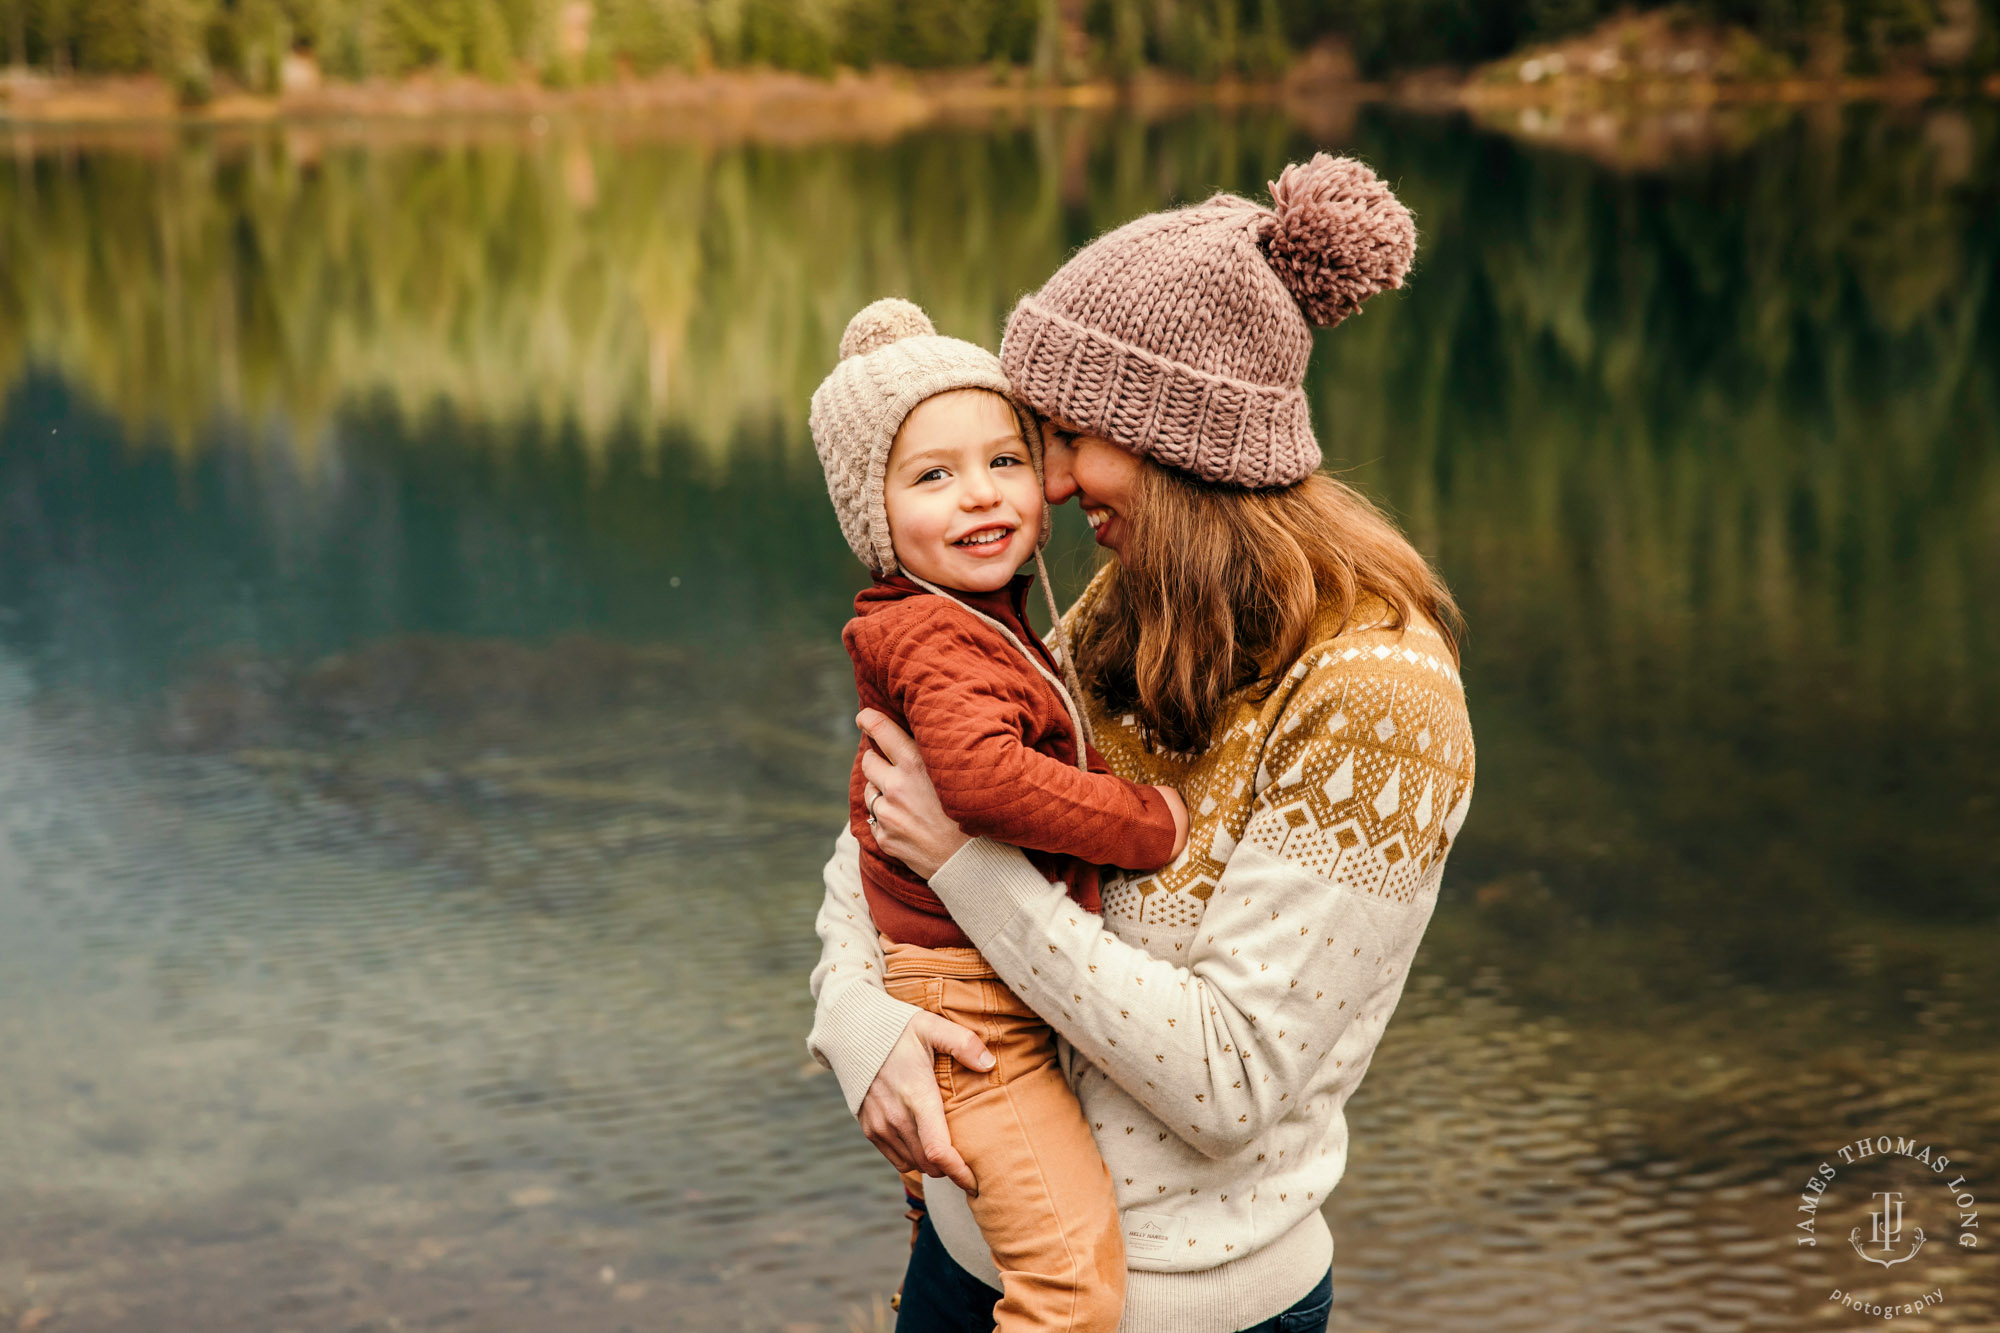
[[1058, 479]]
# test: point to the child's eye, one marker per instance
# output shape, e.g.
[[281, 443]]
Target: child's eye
[[1007, 460], [934, 474]]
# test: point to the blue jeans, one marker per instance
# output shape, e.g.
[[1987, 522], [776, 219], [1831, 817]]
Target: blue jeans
[[941, 1297]]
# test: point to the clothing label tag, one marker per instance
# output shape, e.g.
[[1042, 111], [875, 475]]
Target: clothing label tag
[[1152, 1235]]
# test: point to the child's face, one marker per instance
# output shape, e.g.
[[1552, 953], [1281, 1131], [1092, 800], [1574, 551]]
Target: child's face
[[965, 507]]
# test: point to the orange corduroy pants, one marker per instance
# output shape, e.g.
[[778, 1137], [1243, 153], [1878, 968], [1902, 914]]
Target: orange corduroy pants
[[1044, 1204]]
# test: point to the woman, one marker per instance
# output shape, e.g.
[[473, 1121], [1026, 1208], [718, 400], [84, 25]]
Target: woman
[[1261, 639]]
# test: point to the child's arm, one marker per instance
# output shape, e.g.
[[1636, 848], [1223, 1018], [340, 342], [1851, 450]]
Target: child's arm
[[968, 717]]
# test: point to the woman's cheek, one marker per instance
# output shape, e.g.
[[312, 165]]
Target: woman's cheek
[[1116, 477]]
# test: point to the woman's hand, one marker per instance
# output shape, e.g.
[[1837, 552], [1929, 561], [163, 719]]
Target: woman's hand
[[910, 824], [902, 1112]]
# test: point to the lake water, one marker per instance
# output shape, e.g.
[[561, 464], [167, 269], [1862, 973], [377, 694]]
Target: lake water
[[422, 715]]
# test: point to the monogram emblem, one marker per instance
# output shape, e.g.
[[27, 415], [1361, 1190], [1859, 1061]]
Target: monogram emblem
[[1885, 1229]]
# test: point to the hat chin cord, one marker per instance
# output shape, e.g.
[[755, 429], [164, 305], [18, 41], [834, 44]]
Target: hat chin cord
[[1069, 687]]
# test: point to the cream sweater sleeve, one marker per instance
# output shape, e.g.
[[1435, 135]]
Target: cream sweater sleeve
[[1281, 967], [1285, 962], [855, 1021]]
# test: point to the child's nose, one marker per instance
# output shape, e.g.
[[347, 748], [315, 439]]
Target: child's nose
[[980, 491]]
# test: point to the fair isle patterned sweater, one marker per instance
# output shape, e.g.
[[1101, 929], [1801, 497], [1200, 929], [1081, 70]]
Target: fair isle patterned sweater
[[1223, 1009]]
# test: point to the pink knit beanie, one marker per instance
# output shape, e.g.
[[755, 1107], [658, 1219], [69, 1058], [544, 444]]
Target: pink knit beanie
[[1183, 335]]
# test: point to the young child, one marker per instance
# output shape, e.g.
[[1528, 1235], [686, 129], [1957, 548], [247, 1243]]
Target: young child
[[935, 473]]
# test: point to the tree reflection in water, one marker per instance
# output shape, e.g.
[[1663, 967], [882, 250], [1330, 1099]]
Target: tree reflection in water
[[417, 622]]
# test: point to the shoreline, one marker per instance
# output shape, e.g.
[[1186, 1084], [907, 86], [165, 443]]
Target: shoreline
[[888, 100], [1654, 127], [886, 103], [1624, 126]]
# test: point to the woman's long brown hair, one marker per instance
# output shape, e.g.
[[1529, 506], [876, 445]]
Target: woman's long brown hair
[[1218, 588]]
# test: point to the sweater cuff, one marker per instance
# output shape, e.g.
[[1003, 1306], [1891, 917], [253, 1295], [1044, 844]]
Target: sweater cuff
[[984, 884], [855, 1035]]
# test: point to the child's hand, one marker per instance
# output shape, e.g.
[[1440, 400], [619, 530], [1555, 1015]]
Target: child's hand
[[1179, 807]]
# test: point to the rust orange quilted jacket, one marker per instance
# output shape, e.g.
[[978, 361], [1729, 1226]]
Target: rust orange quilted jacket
[[997, 741]]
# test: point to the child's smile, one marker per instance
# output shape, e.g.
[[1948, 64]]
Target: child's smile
[[987, 541]]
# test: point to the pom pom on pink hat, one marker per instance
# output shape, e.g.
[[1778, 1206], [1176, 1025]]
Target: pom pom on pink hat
[[1336, 235]]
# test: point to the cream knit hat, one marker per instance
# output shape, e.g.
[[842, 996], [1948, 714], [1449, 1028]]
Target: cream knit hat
[[1183, 336], [891, 359]]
